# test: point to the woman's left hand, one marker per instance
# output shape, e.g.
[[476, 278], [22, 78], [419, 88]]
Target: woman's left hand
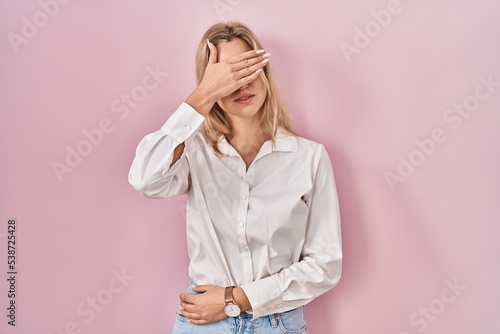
[[205, 308]]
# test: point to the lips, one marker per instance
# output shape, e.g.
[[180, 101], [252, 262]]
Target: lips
[[244, 98]]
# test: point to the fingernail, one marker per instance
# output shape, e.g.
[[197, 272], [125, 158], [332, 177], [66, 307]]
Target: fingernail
[[265, 61], [259, 51], [266, 55], [258, 71]]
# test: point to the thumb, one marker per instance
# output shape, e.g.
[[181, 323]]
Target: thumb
[[199, 288], [212, 59]]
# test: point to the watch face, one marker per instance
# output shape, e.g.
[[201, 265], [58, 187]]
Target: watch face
[[232, 310]]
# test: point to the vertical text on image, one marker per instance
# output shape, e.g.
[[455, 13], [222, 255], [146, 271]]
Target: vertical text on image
[[12, 274]]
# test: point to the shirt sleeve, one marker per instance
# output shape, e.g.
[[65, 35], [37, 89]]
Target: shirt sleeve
[[320, 266], [150, 173]]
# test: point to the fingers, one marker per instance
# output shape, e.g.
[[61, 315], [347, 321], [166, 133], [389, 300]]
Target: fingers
[[205, 307], [199, 322], [249, 73], [187, 307], [244, 56], [189, 315], [252, 61], [188, 298], [212, 59], [201, 318], [225, 77], [249, 78], [246, 71], [193, 318], [242, 60]]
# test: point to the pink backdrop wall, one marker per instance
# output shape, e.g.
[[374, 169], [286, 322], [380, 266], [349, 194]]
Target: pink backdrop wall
[[405, 95]]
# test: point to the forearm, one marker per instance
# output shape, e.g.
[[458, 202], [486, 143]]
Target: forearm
[[293, 287], [150, 173], [201, 100]]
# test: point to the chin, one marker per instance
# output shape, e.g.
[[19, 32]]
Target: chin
[[247, 110]]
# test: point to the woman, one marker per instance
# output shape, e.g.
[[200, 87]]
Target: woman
[[263, 223]]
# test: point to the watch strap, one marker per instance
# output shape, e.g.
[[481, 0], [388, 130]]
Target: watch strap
[[228, 295]]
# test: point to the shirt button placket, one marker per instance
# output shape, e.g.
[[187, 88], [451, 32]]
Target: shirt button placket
[[241, 232]]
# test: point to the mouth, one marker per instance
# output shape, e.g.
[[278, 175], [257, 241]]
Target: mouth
[[245, 98]]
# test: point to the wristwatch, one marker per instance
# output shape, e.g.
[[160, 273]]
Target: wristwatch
[[231, 308]]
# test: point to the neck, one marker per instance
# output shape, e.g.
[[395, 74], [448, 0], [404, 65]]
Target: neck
[[247, 133]]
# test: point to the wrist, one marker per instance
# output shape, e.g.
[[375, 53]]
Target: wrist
[[241, 299], [201, 101]]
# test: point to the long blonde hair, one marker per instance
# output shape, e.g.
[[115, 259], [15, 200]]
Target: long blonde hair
[[274, 115]]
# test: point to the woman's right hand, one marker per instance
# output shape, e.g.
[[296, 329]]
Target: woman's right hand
[[225, 77]]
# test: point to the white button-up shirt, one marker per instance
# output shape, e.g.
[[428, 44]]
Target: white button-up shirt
[[273, 230]]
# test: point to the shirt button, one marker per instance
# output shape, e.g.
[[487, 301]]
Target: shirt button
[[187, 127], [244, 197], [242, 224]]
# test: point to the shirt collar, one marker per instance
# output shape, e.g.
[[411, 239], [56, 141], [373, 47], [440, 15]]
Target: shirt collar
[[284, 142]]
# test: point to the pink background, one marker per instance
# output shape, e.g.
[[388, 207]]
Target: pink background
[[404, 245]]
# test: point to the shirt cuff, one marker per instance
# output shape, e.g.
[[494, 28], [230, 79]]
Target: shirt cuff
[[264, 295], [183, 123]]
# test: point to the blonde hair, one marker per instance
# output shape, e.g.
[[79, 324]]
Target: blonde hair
[[274, 114]]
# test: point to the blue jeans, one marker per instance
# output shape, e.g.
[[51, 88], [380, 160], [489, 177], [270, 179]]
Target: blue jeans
[[290, 322]]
